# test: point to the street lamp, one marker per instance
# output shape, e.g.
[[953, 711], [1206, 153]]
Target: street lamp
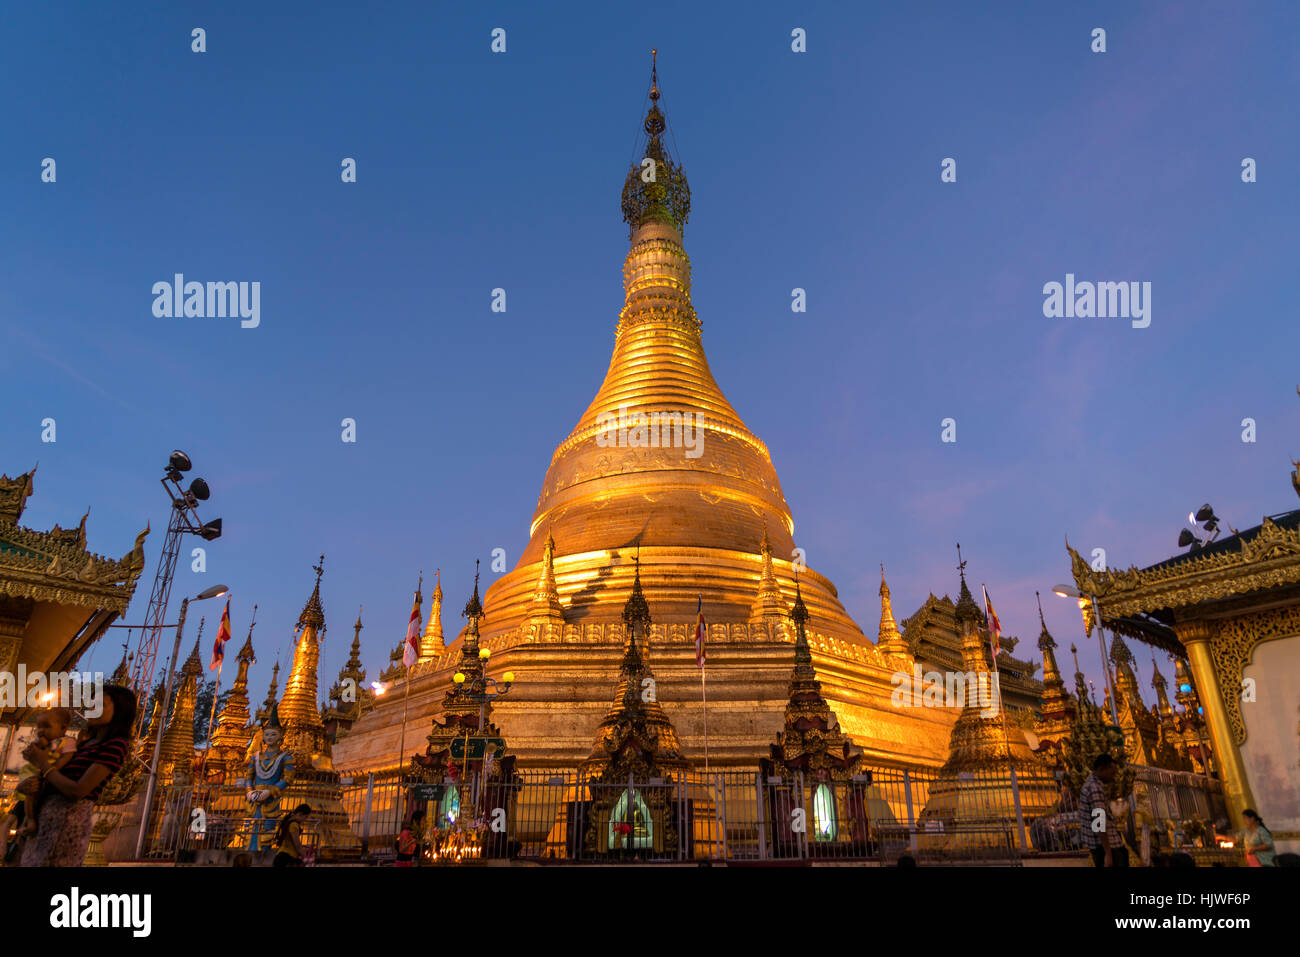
[[1065, 591], [216, 591]]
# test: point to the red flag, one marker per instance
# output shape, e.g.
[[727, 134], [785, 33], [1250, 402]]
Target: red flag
[[411, 649], [699, 632], [994, 626], [223, 636]]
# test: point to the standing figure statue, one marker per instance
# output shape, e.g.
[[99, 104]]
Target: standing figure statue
[[269, 771]]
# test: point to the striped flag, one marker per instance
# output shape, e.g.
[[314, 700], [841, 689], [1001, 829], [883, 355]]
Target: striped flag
[[994, 626], [223, 636], [699, 632], [411, 647]]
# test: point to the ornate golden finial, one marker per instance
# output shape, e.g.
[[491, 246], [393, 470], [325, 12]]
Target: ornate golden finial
[[966, 607], [665, 197], [431, 643], [888, 639], [474, 608], [246, 652], [798, 611], [636, 610], [313, 614]]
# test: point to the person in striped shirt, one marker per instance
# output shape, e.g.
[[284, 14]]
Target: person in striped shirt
[[1101, 832], [67, 810]]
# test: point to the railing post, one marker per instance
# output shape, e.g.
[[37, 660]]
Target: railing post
[[760, 814], [722, 813], [1020, 817], [911, 814], [802, 838], [365, 819]]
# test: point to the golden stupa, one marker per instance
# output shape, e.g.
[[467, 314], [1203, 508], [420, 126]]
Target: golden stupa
[[661, 462]]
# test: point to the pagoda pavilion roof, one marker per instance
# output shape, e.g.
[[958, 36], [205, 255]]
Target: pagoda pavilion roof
[[1141, 602]]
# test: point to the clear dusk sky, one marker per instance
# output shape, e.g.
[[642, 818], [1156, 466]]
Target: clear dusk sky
[[476, 170]]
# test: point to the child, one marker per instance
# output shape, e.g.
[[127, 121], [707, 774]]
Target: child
[[52, 736]]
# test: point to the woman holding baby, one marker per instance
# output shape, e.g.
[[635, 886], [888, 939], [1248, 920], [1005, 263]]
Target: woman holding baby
[[71, 783]]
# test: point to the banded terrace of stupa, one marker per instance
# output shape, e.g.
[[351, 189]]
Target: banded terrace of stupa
[[714, 525]]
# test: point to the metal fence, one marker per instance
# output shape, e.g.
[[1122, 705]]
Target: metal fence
[[734, 817]]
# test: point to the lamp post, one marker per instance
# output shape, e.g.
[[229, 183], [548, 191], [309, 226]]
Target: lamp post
[[216, 591], [184, 519]]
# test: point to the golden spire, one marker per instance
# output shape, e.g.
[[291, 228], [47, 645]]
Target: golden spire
[[1185, 689], [1056, 710], [546, 607], [968, 622], [178, 738], [431, 643], [1080, 683], [122, 673], [230, 738], [271, 694], [1162, 697], [1126, 683], [981, 739], [304, 732], [811, 740], [473, 609], [889, 639], [1051, 674], [768, 605]]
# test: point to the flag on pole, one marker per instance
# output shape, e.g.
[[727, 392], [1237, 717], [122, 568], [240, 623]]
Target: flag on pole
[[699, 632], [411, 647], [223, 636], [994, 626]]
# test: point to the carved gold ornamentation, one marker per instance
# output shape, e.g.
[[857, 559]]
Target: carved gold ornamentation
[[1267, 560], [1233, 645]]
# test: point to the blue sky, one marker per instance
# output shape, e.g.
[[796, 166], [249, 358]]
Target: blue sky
[[478, 170]]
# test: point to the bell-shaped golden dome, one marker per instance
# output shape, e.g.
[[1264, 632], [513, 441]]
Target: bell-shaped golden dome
[[660, 459]]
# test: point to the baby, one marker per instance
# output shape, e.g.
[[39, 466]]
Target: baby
[[52, 736]]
